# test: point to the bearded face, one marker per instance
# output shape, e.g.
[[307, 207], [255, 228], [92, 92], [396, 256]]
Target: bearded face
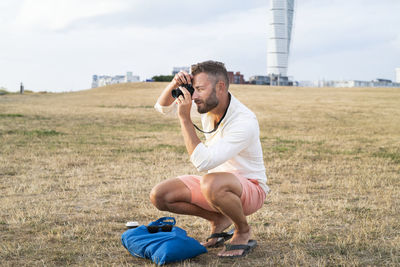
[[204, 106]]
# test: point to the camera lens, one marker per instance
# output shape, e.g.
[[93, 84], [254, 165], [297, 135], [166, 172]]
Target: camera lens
[[177, 92]]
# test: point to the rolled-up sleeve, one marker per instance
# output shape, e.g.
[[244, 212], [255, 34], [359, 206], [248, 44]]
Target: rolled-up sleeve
[[236, 138], [170, 110]]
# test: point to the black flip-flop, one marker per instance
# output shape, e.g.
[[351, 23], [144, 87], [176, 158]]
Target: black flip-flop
[[246, 249], [222, 237]]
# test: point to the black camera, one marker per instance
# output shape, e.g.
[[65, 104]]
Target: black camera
[[177, 92]]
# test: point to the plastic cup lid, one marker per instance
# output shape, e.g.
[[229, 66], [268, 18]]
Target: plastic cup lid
[[132, 224]]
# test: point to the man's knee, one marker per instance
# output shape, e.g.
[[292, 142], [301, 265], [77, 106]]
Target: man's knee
[[215, 186], [169, 192], [212, 187], [158, 197]]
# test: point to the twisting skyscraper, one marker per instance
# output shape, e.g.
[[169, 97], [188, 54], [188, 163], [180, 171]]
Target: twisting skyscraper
[[280, 30]]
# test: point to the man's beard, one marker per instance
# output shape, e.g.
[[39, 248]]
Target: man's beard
[[210, 103]]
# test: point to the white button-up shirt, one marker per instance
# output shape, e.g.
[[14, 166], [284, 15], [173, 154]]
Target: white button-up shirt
[[234, 147]]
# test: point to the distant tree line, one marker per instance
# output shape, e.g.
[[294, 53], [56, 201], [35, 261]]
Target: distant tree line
[[163, 78], [3, 91]]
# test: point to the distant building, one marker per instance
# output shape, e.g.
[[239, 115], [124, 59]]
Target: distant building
[[175, 70], [129, 78], [259, 80], [397, 75], [103, 80], [280, 80], [95, 81], [375, 83], [308, 83], [236, 78], [350, 83]]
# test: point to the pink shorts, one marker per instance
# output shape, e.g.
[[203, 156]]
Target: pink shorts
[[252, 194]]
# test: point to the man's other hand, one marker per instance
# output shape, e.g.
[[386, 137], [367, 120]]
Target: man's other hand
[[184, 104], [182, 77]]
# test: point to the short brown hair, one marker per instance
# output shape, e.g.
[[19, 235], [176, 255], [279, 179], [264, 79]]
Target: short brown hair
[[214, 68]]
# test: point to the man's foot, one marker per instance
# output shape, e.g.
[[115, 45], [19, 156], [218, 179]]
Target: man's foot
[[217, 226], [245, 247], [239, 238]]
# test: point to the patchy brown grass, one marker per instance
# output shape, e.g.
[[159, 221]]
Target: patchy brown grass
[[75, 167]]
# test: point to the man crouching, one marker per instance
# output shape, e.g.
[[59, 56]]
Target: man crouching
[[235, 185]]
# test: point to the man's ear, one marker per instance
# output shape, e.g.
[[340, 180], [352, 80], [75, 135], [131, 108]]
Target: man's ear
[[221, 86]]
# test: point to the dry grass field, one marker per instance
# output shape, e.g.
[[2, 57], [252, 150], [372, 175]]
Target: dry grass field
[[74, 167]]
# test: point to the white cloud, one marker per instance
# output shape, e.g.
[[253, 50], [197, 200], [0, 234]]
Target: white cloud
[[59, 39], [59, 14], [345, 39], [340, 26]]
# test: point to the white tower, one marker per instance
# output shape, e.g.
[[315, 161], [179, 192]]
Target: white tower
[[397, 75], [280, 30]]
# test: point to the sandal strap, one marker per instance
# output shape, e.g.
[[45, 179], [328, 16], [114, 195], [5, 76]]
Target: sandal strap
[[217, 235], [236, 247]]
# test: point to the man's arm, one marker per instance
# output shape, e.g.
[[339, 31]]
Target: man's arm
[[184, 107], [166, 99], [236, 138], [189, 133]]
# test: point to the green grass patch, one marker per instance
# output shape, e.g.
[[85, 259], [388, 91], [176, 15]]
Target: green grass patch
[[386, 154], [286, 145], [280, 149], [359, 210], [355, 151], [41, 133], [159, 127], [145, 149], [177, 149], [150, 126], [325, 150], [126, 106], [294, 142], [4, 91], [37, 133], [142, 149], [11, 115], [10, 132], [8, 172], [38, 117], [133, 150]]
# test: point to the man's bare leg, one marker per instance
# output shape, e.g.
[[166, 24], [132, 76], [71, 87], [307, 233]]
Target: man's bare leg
[[174, 196], [223, 190]]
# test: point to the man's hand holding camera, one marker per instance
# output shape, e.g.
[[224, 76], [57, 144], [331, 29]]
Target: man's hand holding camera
[[184, 104], [183, 97], [183, 80]]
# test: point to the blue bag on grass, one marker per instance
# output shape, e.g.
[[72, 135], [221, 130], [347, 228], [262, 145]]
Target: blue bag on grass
[[160, 243]]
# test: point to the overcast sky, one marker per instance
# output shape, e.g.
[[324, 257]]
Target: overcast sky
[[57, 45]]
